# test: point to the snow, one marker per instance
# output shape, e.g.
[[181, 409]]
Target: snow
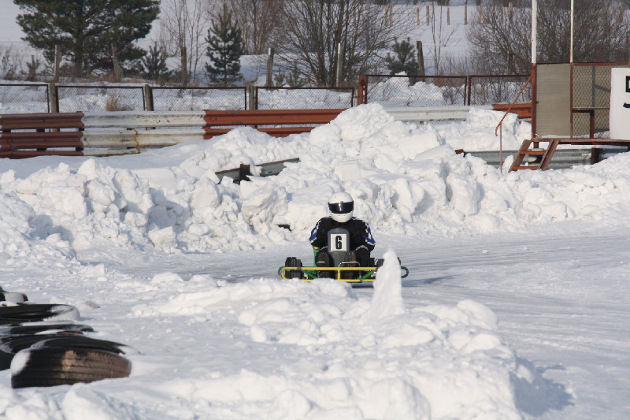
[[501, 315]]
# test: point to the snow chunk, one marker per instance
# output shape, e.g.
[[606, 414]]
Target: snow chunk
[[387, 299]]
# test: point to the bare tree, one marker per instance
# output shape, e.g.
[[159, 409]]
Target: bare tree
[[257, 20], [500, 44], [314, 30], [184, 26], [441, 34]]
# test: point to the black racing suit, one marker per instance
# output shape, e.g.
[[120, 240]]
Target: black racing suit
[[361, 240]]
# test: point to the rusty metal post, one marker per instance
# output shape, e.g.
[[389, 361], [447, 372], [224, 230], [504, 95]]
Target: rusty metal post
[[253, 103], [53, 98], [148, 97], [469, 88]]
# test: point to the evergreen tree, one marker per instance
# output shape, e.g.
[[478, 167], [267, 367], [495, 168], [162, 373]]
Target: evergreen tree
[[87, 30], [225, 47], [405, 59], [154, 64]]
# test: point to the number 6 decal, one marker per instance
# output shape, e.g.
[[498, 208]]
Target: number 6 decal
[[339, 242]]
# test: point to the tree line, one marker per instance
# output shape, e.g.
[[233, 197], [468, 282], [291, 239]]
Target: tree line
[[312, 42]]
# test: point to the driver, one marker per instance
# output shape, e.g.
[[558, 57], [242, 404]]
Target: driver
[[361, 244]]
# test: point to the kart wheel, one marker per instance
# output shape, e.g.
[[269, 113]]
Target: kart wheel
[[53, 366], [293, 262]]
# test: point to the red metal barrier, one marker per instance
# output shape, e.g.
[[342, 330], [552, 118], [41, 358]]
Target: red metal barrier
[[301, 120], [29, 135]]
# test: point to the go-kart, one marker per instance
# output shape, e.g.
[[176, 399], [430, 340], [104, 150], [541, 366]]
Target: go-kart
[[338, 240]]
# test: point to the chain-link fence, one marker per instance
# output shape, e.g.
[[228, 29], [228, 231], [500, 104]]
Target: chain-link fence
[[303, 98], [88, 98], [23, 98], [591, 95], [196, 98], [390, 91], [401, 91], [423, 91], [498, 89]]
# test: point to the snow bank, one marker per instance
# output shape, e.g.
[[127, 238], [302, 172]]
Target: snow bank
[[350, 358], [405, 178]]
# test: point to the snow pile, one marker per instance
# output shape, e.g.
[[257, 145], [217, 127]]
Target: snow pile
[[405, 178], [335, 359]]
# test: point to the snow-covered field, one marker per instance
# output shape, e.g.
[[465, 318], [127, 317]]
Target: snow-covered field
[[516, 305]]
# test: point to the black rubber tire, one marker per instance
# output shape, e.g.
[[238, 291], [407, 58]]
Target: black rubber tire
[[34, 329], [75, 341], [5, 359], [12, 344], [53, 366], [29, 312], [293, 262]]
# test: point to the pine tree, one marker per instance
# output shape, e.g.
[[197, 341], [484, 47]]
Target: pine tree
[[225, 47], [87, 30], [405, 59], [154, 64]]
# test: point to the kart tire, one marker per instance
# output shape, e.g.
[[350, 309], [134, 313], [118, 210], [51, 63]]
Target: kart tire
[[293, 262], [27, 312], [53, 366]]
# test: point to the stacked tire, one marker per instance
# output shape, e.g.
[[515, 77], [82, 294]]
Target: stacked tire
[[43, 346]]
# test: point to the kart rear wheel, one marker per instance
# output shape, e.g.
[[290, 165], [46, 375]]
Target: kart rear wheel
[[293, 274]]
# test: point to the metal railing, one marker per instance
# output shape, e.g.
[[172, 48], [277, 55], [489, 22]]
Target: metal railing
[[303, 98], [419, 91], [390, 91]]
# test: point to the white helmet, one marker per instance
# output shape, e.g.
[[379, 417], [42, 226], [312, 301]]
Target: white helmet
[[341, 205]]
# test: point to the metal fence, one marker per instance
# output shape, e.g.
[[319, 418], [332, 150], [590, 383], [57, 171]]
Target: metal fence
[[390, 91], [420, 91], [591, 94], [23, 98], [303, 98], [196, 98], [88, 98]]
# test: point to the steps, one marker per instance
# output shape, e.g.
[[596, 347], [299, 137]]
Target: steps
[[541, 157]]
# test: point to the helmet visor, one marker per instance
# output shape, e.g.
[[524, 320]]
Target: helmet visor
[[341, 208]]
